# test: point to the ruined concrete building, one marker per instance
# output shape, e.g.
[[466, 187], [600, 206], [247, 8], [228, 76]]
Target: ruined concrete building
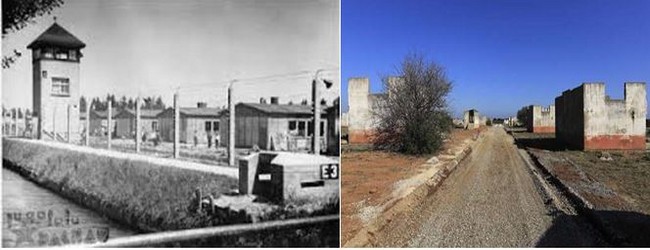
[[471, 119], [540, 119], [362, 104], [588, 119]]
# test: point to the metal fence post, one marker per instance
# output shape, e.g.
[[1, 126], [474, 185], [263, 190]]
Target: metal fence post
[[69, 123], [87, 133], [138, 131], [27, 125], [231, 126], [316, 119], [176, 125], [15, 119], [110, 121]]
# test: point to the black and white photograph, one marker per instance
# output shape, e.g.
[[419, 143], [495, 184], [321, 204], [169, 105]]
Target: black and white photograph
[[195, 123]]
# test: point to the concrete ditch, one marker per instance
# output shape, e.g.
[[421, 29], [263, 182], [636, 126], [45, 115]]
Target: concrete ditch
[[150, 195], [578, 202]]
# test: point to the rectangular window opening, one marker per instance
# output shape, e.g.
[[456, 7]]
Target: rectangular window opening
[[307, 184], [60, 86]]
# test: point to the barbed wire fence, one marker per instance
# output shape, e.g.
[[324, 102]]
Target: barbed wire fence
[[158, 132]]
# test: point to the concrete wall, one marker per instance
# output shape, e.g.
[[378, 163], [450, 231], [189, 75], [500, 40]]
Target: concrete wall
[[588, 119], [540, 119], [359, 114], [615, 124], [569, 118], [53, 110]]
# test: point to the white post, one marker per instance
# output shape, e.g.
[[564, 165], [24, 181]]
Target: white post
[[176, 125], [26, 125], [69, 123], [231, 125], [110, 120], [54, 124], [15, 119], [316, 119], [138, 131], [87, 133]]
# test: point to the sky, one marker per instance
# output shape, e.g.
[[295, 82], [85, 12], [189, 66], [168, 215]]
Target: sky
[[500, 55], [195, 47]]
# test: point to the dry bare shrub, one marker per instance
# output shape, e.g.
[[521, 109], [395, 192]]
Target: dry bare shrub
[[412, 116]]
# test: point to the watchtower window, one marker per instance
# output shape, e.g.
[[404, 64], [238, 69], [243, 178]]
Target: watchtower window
[[48, 53], [60, 86], [73, 55], [62, 54]]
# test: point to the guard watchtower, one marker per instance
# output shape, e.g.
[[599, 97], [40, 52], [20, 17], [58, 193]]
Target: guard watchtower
[[55, 66]]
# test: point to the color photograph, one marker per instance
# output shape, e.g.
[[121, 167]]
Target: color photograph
[[495, 123]]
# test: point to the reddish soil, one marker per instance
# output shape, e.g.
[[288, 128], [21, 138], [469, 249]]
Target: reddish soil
[[368, 176], [616, 184], [360, 137]]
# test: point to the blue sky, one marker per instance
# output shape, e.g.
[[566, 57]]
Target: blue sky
[[154, 47], [501, 55]]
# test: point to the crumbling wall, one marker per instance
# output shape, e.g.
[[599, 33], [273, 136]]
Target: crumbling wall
[[615, 124], [471, 119], [540, 119], [588, 119], [569, 118], [359, 114]]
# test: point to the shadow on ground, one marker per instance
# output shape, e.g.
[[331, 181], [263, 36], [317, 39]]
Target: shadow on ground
[[538, 141], [618, 228]]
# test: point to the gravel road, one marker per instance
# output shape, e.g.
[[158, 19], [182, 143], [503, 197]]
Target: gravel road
[[490, 200]]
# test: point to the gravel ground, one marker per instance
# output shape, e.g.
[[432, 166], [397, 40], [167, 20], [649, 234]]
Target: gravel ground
[[491, 200]]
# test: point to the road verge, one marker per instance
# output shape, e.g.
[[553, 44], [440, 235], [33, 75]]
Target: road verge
[[411, 192]]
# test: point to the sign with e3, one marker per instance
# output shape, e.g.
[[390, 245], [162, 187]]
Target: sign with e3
[[329, 171]]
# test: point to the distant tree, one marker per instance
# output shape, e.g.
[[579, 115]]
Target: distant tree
[[16, 14], [413, 116], [123, 102], [159, 103], [262, 100], [523, 115], [131, 103], [323, 102], [28, 112], [82, 104], [97, 104], [114, 102], [290, 103], [147, 103], [304, 102]]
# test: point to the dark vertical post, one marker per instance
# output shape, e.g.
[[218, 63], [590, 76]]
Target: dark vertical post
[[138, 124], [231, 125], [316, 120], [87, 142], [176, 125], [69, 123], [110, 121]]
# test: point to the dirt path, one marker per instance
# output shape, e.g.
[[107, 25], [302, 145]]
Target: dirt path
[[491, 200]]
